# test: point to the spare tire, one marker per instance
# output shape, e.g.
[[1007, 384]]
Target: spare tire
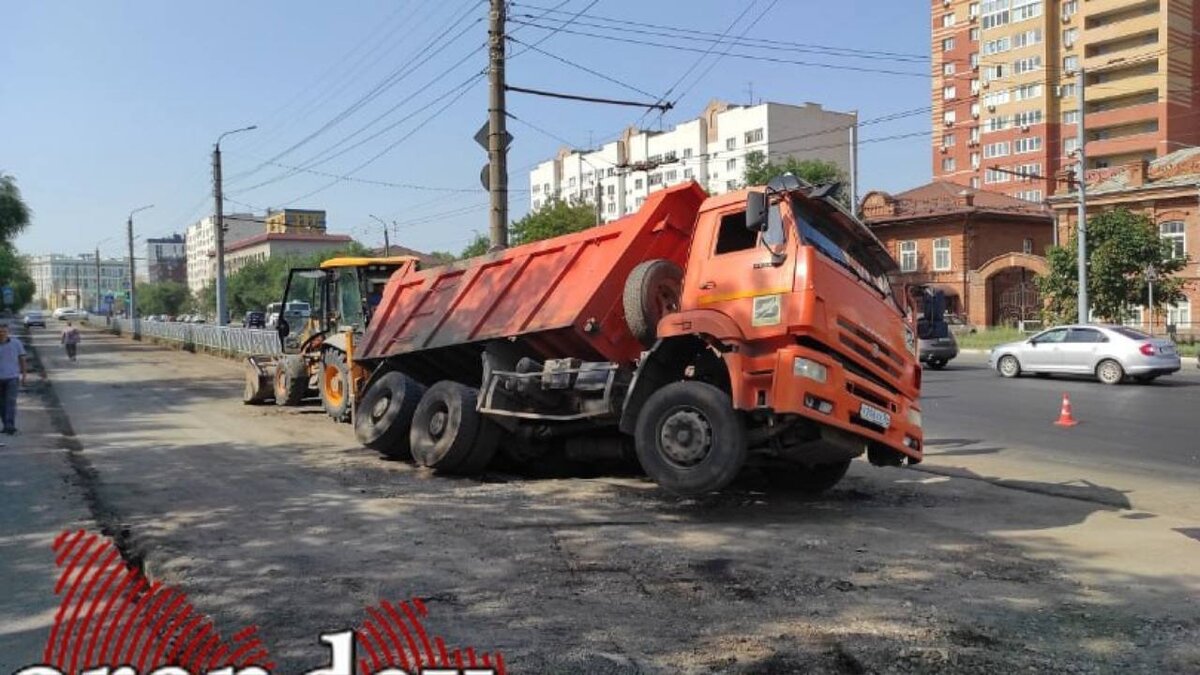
[[652, 291], [385, 413]]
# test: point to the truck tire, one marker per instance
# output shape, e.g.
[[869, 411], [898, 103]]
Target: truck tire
[[385, 414], [689, 438], [291, 381], [334, 384], [652, 291], [258, 388], [448, 433]]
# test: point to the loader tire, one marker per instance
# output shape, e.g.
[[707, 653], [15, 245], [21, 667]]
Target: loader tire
[[291, 381], [652, 291], [448, 433], [689, 438], [258, 388], [385, 414], [334, 384]]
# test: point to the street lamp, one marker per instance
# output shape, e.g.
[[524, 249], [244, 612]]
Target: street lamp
[[387, 247], [219, 221], [132, 274]]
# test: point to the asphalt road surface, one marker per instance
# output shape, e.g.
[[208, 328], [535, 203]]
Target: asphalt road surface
[[275, 517], [1146, 432]]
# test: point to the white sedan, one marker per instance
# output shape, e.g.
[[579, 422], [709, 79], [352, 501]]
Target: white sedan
[[1111, 353]]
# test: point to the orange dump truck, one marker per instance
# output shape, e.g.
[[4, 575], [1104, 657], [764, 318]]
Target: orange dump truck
[[702, 332]]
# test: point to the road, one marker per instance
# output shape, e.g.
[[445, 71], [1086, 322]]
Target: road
[[275, 517], [1147, 434]]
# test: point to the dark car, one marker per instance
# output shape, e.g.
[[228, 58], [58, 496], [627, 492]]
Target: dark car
[[936, 345], [254, 320]]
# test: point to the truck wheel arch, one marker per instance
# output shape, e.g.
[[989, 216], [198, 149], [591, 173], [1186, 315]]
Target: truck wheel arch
[[668, 361]]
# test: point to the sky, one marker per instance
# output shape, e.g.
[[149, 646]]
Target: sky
[[112, 105]]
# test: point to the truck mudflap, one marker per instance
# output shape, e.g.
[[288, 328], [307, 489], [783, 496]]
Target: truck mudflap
[[816, 386]]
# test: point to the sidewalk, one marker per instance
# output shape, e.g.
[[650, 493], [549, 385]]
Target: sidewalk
[[40, 499]]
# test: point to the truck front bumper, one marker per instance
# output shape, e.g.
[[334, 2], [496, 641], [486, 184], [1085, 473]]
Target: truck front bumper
[[814, 385]]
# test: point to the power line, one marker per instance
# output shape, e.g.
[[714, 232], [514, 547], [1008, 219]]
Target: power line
[[590, 99], [770, 59], [549, 35], [717, 60], [582, 67], [775, 44]]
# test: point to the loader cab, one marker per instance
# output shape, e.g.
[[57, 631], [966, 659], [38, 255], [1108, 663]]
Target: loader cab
[[339, 296]]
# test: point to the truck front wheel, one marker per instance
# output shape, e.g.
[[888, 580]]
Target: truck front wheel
[[385, 414], [448, 433], [689, 438]]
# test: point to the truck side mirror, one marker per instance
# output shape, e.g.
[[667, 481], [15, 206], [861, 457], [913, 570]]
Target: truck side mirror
[[756, 212]]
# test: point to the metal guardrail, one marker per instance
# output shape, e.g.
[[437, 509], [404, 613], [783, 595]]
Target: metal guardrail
[[222, 338]]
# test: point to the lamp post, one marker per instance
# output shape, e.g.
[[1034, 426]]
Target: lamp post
[[387, 246], [219, 221], [132, 271], [1151, 276]]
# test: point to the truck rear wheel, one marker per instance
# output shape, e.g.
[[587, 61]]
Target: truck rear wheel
[[385, 414], [335, 385], [812, 479], [448, 433], [652, 291], [291, 381], [689, 438]]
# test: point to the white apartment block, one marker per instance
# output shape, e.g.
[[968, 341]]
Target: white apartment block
[[710, 149], [70, 280], [200, 243]]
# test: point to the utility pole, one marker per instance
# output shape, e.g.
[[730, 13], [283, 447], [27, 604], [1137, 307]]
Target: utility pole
[[132, 276], [497, 134], [1081, 180], [219, 223], [854, 166], [387, 245], [97, 280]]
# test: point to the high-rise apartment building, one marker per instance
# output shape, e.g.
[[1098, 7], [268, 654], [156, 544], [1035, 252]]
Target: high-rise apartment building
[[1005, 97]]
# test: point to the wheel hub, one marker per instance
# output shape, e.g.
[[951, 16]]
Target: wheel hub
[[686, 437], [380, 408], [437, 424]]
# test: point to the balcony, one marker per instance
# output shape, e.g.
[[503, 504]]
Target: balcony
[[1120, 83], [1124, 145], [1121, 116], [1099, 8]]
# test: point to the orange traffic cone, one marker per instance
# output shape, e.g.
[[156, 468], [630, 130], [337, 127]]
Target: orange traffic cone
[[1064, 416]]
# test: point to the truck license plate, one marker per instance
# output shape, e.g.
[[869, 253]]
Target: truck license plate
[[875, 416]]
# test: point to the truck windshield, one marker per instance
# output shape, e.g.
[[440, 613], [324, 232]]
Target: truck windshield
[[831, 239]]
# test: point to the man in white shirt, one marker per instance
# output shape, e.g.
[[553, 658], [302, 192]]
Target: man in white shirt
[[12, 377]]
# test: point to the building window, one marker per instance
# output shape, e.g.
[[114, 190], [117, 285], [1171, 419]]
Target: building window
[[975, 181], [941, 254], [947, 140], [948, 117], [730, 185], [1066, 90], [654, 179], [1027, 246], [1070, 35], [687, 153], [1029, 37], [948, 68], [974, 36], [536, 205], [947, 20], [571, 181], [995, 176], [1173, 233], [637, 184], [975, 87], [688, 173], [1070, 145], [1027, 91], [947, 44], [1000, 149], [948, 164], [1180, 314], [973, 59], [997, 46], [1030, 196], [1026, 9], [731, 165], [730, 143], [995, 13], [1027, 118], [973, 9], [1030, 144], [975, 163], [1027, 65], [974, 136], [949, 92], [1070, 64], [671, 176], [754, 136], [908, 256]]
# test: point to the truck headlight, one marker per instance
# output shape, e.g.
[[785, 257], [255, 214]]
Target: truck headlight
[[810, 369], [910, 340], [914, 417]]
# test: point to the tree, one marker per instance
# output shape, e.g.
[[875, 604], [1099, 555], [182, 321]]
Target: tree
[[442, 257], [478, 246], [555, 218], [759, 171], [1121, 245], [14, 213], [164, 297]]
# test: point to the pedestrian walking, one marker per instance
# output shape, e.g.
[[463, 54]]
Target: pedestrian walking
[[12, 376], [70, 340]]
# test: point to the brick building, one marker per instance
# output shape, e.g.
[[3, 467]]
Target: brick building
[[981, 248], [1168, 191]]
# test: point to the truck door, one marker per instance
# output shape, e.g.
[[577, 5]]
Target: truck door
[[301, 310], [739, 275]]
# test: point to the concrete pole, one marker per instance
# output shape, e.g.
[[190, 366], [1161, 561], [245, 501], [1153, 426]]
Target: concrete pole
[[132, 310], [1081, 180], [497, 152], [219, 225], [97, 280]]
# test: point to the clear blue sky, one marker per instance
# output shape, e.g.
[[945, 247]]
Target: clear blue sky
[[107, 106]]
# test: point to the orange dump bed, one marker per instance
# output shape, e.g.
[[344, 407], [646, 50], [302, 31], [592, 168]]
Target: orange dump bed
[[559, 297]]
